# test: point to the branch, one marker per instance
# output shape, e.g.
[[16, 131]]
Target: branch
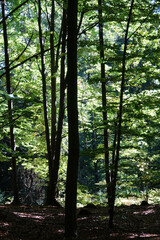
[[14, 10], [90, 26], [22, 51], [10, 123], [24, 61], [58, 45], [142, 22], [80, 22], [47, 14]]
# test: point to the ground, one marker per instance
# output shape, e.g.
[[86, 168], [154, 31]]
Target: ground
[[47, 223]]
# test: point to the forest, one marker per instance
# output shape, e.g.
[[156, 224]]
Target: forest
[[79, 118]]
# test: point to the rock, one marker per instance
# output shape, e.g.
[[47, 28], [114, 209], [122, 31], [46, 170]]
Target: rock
[[144, 203], [90, 205], [84, 212]]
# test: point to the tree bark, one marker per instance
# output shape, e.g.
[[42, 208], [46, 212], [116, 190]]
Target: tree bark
[[73, 155], [10, 109]]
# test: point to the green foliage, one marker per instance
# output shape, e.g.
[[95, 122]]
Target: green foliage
[[3, 158], [140, 156]]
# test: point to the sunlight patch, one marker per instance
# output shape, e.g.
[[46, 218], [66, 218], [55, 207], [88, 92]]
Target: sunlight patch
[[28, 215], [146, 212], [60, 231], [4, 224], [145, 235]]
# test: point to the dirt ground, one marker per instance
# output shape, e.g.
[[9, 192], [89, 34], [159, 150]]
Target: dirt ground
[[47, 223]]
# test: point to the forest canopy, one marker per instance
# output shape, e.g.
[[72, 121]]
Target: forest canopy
[[118, 85]]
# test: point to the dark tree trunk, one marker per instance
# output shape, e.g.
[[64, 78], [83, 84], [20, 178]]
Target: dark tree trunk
[[94, 147], [10, 109], [61, 108], [53, 146], [44, 88], [104, 105], [73, 155], [50, 192], [120, 119]]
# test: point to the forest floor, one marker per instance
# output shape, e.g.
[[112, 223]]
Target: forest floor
[[47, 223]]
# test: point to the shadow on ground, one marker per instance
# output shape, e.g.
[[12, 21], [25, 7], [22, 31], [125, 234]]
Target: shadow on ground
[[47, 223]]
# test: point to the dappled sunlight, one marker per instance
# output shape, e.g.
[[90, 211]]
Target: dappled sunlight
[[28, 215], [134, 236], [143, 235], [81, 218], [61, 214], [60, 231], [150, 210], [4, 224], [32, 223], [34, 216], [4, 229]]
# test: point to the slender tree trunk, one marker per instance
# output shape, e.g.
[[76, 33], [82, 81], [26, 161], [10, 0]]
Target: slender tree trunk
[[50, 192], [10, 109], [104, 105], [61, 107], [53, 146], [120, 117], [73, 155], [53, 83], [114, 150], [44, 90], [94, 147]]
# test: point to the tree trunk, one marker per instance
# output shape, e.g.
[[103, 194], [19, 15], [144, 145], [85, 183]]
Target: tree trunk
[[50, 192], [44, 92], [10, 109], [104, 105], [53, 147], [94, 147], [120, 119], [61, 108], [73, 155]]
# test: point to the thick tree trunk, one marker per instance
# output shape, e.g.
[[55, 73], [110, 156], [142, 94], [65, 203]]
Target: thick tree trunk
[[120, 119], [10, 109], [73, 155]]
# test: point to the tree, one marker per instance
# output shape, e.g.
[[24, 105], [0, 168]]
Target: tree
[[120, 118], [58, 141], [44, 96], [10, 110], [73, 148], [104, 107], [100, 56], [53, 145]]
